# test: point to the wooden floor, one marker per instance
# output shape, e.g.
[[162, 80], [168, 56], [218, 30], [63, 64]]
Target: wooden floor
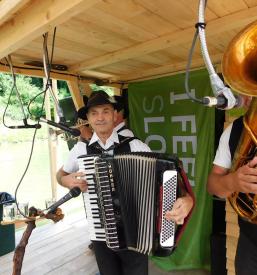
[[62, 249]]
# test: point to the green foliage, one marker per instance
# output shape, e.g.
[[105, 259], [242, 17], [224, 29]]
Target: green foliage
[[26, 90], [37, 82], [31, 94], [63, 89], [108, 90], [5, 84], [30, 89]]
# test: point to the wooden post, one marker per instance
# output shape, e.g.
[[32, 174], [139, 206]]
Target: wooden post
[[52, 140], [232, 233], [31, 225], [232, 227]]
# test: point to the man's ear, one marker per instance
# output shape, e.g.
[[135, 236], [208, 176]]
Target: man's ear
[[115, 115], [88, 118]]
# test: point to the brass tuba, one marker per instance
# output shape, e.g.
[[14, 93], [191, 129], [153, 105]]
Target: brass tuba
[[239, 68]]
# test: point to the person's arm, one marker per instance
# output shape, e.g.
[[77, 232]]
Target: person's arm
[[180, 209], [71, 180], [223, 183]]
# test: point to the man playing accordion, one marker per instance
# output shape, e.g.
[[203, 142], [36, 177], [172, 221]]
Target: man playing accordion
[[101, 114]]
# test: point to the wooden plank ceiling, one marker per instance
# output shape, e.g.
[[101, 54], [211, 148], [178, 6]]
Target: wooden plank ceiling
[[119, 40]]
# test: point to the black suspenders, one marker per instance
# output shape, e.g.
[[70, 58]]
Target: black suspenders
[[118, 148]]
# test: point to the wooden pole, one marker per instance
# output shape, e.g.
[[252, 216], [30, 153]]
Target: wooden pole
[[20, 249], [52, 140], [31, 224]]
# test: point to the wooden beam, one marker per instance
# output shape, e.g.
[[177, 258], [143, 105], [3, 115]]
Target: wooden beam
[[166, 70], [97, 74], [75, 93], [39, 17], [85, 88], [66, 76], [226, 23], [9, 7], [40, 73]]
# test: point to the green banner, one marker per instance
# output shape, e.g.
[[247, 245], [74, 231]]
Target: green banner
[[162, 116]]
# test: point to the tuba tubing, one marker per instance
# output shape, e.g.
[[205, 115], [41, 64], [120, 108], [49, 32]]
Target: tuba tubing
[[248, 136], [246, 204]]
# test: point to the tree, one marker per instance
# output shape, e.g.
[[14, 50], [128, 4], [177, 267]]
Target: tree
[[26, 90], [31, 94]]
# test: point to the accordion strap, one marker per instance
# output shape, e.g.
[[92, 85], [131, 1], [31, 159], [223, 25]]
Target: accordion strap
[[123, 141], [121, 147], [191, 194], [122, 128]]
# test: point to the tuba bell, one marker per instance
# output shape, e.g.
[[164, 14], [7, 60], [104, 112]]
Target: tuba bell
[[239, 68]]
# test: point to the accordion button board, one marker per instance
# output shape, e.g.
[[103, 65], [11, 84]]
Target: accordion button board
[[169, 197]]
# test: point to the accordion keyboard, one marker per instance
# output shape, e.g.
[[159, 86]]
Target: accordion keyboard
[[95, 223], [105, 178]]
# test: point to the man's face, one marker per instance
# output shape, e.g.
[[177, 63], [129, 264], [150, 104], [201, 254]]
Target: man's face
[[102, 118]]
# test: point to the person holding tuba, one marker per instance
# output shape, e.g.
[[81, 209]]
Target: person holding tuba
[[234, 173], [223, 182]]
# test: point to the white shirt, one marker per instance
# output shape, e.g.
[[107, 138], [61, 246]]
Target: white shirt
[[223, 156], [71, 164], [125, 132]]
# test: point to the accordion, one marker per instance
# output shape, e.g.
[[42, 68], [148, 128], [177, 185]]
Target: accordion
[[127, 198]]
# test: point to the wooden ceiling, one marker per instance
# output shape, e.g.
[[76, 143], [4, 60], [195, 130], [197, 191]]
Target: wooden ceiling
[[118, 40]]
